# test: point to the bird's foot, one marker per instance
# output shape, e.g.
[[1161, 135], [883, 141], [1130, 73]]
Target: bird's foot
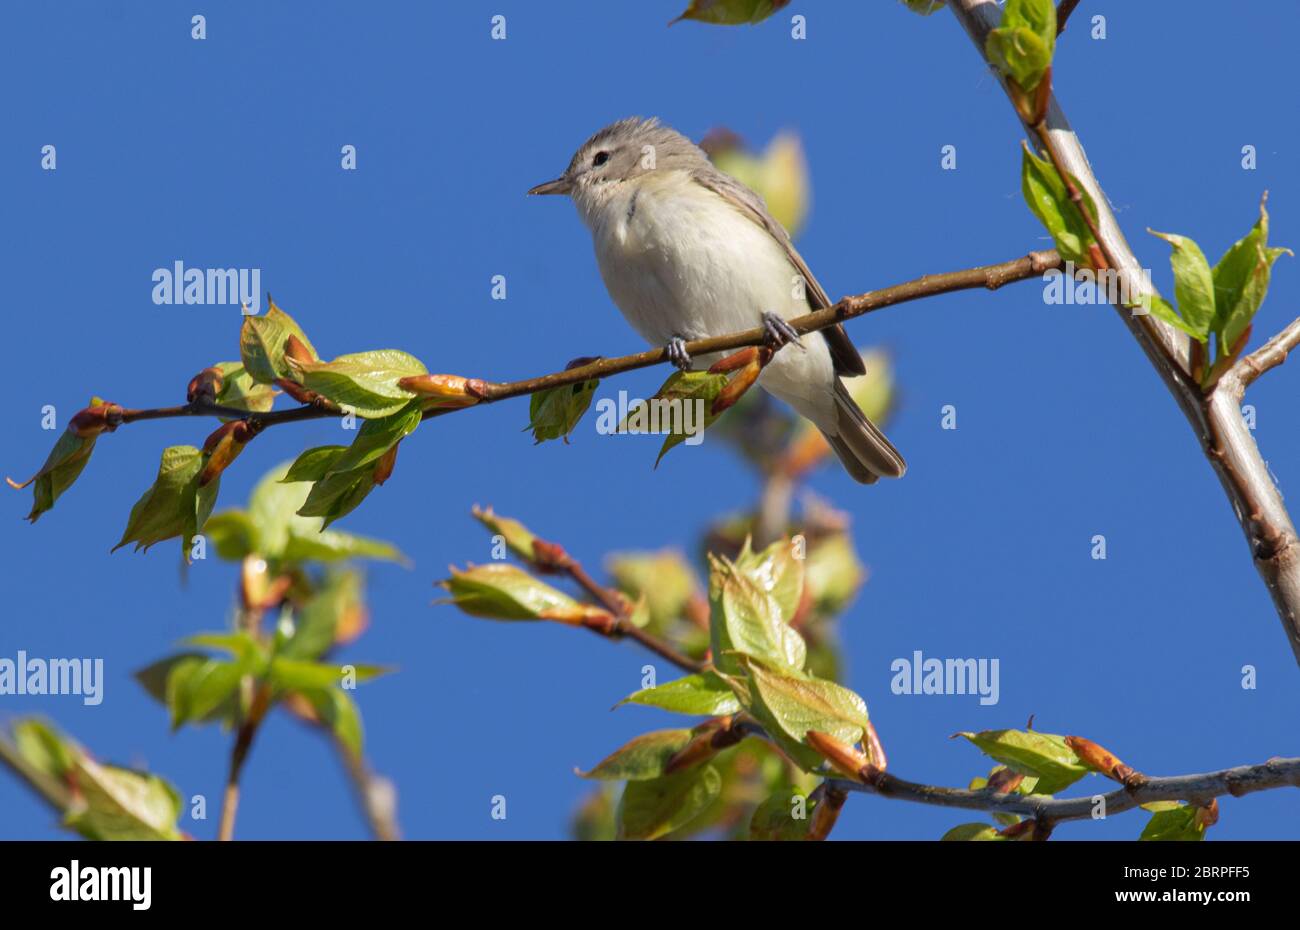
[[779, 332], [677, 353]]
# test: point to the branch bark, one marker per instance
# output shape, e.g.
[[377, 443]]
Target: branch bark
[[1216, 420], [1243, 779]]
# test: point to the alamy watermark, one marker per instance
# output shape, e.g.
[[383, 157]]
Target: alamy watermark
[[27, 675], [684, 416], [919, 675], [1087, 287], [181, 285]]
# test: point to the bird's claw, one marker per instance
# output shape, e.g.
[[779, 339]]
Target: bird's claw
[[677, 353], [779, 332]]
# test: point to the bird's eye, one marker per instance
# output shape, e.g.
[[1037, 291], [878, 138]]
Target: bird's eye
[[599, 159]]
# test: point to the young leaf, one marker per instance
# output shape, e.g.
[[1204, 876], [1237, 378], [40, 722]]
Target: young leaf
[[366, 382], [705, 694], [299, 675], [1193, 283], [746, 618], [1176, 822], [338, 494], [833, 574], [973, 831], [655, 808], [799, 703], [505, 592], [664, 579], [262, 344], [1048, 198], [201, 688], [1158, 307], [240, 390], [1024, 41], [731, 12], [175, 505], [518, 538], [776, 571], [924, 7], [554, 412], [376, 437], [642, 758], [682, 408], [313, 464], [774, 819], [1042, 755], [336, 710], [334, 612], [1241, 279], [62, 466]]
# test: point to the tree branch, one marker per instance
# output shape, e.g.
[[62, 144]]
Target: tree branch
[[1032, 265], [1244, 779], [1063, 12], [1216, 420], [1269, 355]]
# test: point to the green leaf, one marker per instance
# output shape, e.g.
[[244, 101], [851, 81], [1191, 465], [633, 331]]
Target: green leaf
[[339, 713], [973, 831], [642, 758], [1159, 307], [554, 412], [1193, 283], [301, 675], [240, 390], [666, 411], [314, 464], [655, 808], [664, 579], [232, 533], [705, 694], [924, 7], [175, 505], [518, 538], [261, 344], [1023, 44], [779, 175], [365, 382], [774, 819], [746, 618], [330, 609], [1042, 755], [833, 573], [241, 646], [272, 528], [731, 12], [797, 704], [62, 467], [776, 571], [201, 688], [1048, 198], [1175, 823], [1241, 280], [505, 592], [122, 804], [377, 436], [338, 494]]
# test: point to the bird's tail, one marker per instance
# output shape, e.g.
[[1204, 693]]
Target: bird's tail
[[860, 445]]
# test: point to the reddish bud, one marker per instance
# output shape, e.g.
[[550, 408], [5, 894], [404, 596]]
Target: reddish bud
[[384, 467], [1101, 760], [206, 384], [297, 350], [845, 759], [223, 446], [1004, 781], [95, 420], [447, 390]]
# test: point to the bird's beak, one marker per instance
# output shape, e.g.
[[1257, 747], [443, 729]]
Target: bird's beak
[[558, 186]]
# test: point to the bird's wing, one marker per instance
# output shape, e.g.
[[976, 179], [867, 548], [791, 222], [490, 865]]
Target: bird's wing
[[846, 358]]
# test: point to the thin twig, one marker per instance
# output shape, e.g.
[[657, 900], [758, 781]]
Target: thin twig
[[1063, 14], [1196, 789], [1032, 265], [1269, 355]]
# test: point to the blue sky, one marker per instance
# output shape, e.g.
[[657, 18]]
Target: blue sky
[[225, 152]]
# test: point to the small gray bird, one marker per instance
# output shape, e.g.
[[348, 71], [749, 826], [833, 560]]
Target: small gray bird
[[688, 252]]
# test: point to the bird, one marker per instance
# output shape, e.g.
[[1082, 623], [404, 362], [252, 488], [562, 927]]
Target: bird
[[687, 252]]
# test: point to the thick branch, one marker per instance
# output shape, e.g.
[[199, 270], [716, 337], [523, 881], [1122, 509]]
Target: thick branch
[[1197, 789], [1216, 420]]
